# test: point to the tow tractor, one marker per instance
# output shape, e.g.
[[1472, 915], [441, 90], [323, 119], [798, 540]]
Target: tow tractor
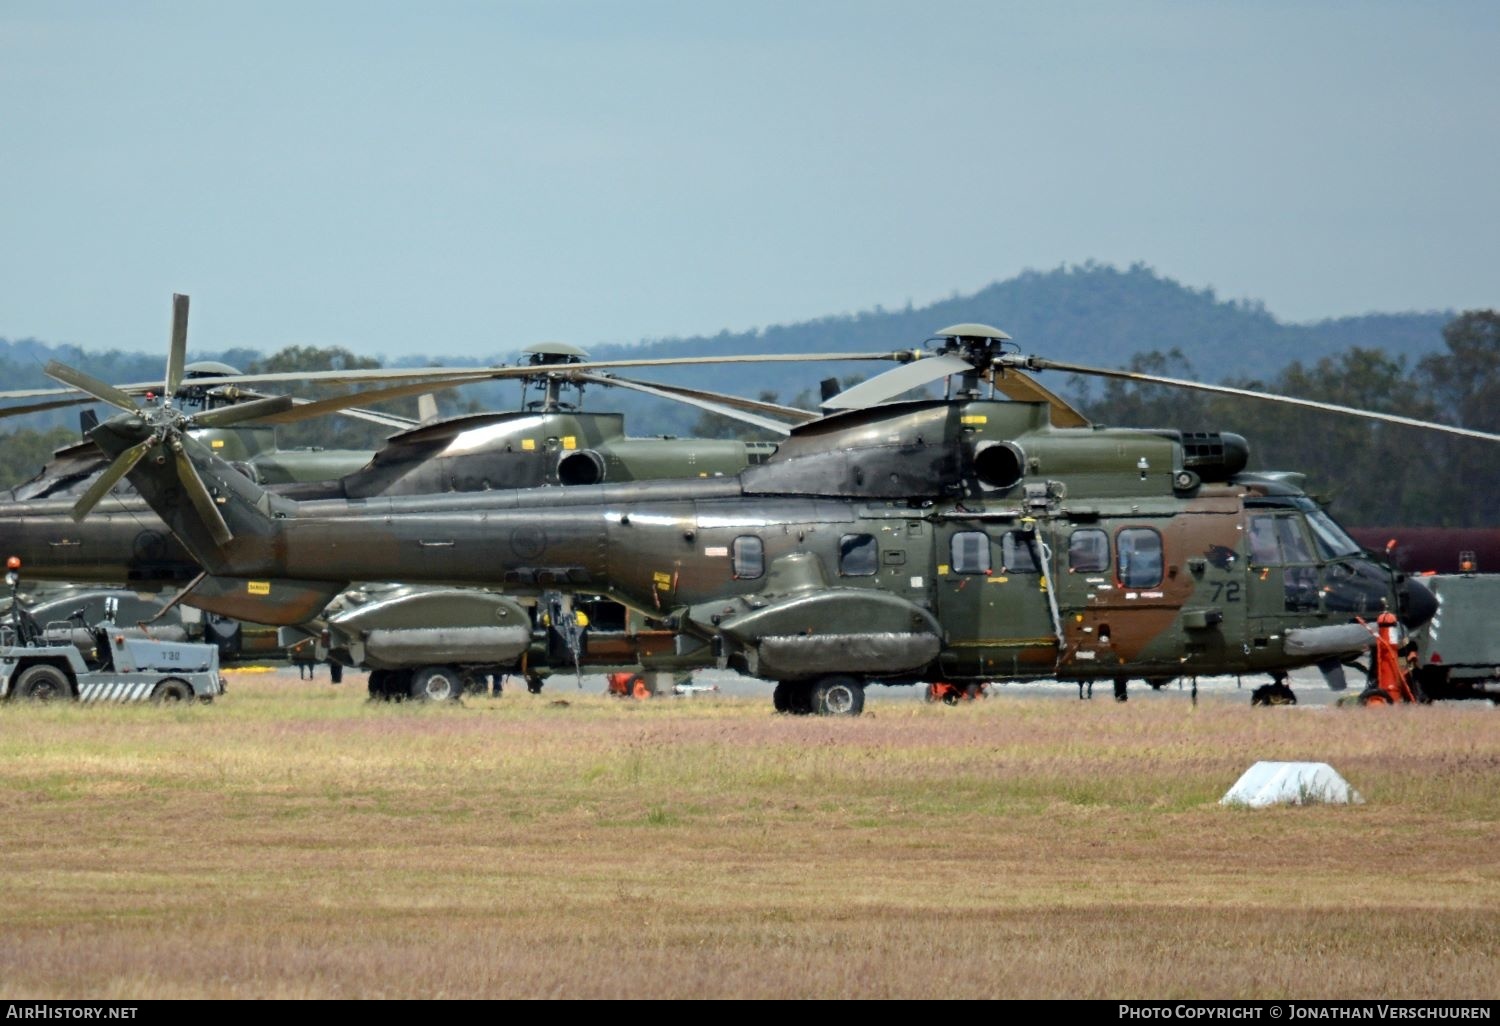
[[71, 659]]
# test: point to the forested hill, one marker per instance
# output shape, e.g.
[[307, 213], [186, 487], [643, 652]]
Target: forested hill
[[1093, 314]]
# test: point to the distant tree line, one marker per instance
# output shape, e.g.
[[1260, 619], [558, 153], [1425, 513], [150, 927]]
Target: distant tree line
[[1373, 473]]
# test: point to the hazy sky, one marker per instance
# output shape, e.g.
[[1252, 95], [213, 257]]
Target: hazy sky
[[466, 178]]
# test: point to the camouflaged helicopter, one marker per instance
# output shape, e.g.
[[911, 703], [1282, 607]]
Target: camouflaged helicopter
[[963, 539], [548, 441]]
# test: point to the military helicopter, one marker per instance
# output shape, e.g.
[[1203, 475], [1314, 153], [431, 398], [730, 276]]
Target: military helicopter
[[962, 539], [548, 441]]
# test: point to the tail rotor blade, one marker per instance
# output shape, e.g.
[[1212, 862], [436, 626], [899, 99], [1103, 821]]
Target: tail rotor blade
[[199, 495], [177, 353], [108, 479], [92, 385]]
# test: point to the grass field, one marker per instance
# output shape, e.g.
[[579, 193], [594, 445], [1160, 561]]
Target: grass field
[[294, 841]]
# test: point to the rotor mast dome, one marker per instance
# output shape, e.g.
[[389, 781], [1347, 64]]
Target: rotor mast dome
[[546, 356]]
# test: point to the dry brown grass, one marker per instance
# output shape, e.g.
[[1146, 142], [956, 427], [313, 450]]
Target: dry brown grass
[[293, 841]]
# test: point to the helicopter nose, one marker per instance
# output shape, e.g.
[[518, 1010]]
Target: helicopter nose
[[1419, 604]]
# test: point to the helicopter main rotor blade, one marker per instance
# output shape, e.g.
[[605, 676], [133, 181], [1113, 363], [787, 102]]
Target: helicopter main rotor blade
[[1038, 363], [177, 351], [721, 409], [389, 420], [257, 409], [795, 414], [893, 382], [109, 478], [439, 376], [198, 494], [16, 411], [92, 385], [307, 409], [1024, 388]]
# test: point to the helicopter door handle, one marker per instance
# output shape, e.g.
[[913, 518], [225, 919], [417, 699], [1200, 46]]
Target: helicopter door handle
[[436, 544]]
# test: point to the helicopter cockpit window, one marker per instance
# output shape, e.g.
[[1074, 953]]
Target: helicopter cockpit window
[[1088, 551], [970, 552], [1017, 554], [749, 556], [858, 555], [1139, 562], [1329, 537], [1294, 545]]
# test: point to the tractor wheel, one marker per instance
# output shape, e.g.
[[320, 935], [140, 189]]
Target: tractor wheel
[[173, 689], [1374, 696], [437, 684], [42, 683], [838, 696]]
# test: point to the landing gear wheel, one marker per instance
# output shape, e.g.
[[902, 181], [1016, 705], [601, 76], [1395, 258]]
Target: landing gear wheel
[[43, 684], [781, 698], [396, 685], [172, 689], [1157, 683], [1273, 694], [793, 697], [437, 684], [533, 684], [838, 696]]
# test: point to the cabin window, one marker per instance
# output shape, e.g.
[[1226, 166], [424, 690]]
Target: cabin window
[[858, 555], [749, 556], [1088, 551], [1139, 561], [970, 551], [1264, 549], [1017, 554]]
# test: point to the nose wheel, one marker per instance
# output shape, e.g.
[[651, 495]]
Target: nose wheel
[[1275, 693]]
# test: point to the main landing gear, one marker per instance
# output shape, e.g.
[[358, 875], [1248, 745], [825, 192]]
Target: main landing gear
[[827, 696]]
